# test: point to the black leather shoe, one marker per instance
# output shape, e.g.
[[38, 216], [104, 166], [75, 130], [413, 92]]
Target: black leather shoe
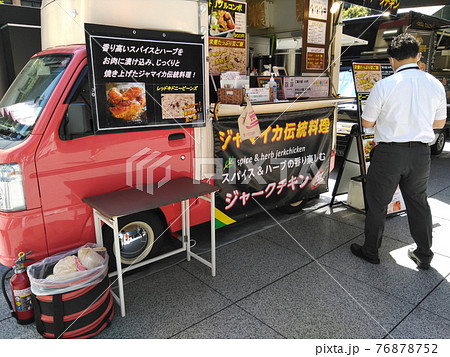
[[416, 259], [357, 250]]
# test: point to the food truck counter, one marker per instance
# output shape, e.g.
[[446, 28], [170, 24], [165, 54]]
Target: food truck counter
[[279, 107]]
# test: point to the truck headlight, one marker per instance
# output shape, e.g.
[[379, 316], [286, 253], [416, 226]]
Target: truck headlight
[[12, 196]]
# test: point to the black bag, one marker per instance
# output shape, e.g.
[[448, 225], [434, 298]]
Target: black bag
[[82, 313]]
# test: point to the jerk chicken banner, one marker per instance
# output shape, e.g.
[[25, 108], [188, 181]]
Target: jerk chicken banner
[[289, 162], [143, 79]]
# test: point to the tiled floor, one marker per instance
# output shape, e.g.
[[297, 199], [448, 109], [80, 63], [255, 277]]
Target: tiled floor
[[294, 277]]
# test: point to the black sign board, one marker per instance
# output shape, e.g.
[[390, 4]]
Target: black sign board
[[142, 79]]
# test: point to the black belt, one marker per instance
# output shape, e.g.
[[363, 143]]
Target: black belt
[[406, 143]]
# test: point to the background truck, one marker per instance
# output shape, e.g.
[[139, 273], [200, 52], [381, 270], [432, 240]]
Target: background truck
[[376, 32]]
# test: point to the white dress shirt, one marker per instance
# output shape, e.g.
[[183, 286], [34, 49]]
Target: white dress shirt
[[405, 105]]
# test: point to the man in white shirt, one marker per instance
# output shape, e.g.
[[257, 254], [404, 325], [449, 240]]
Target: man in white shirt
[[403, 109]]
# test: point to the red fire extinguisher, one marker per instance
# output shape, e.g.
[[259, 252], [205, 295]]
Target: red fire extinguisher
[[22, 309]]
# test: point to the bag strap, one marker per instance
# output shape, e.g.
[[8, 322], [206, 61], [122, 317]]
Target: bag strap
[[37, 315], [58, 318]]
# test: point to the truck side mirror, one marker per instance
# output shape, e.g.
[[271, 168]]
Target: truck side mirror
[[78, 121]]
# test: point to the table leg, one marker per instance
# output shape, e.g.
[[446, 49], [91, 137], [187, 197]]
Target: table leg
[[187, 224], [119, 265], [213, 234], [98, 229]]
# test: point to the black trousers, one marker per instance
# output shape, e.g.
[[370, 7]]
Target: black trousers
[[407, 165]]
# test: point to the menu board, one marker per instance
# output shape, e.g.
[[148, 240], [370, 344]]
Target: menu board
[[315, 59], [318, 9], [315, 42], [142, 79], [365, 76], [227, 36], [317, 31]]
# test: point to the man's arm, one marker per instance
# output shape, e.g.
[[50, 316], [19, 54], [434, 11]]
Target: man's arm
[[437, 124], [368, 124]]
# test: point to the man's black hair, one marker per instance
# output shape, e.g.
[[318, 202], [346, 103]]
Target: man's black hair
[[403, 46]]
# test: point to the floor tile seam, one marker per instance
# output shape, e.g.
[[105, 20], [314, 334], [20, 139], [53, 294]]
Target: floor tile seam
[[339, 246], [260, 237], [412, 243], [339, 220], [442, 255], [201, 320], [441, 218], [5, 318], [418, 308], [400, 298], [206, 284], [387, 236], [282, 246], [305, 211], [415, 308], [248, 235], [323, 267], [306, 254], [268, 284], [438, 192], [258, 319], [272, 282], [303, 214], [347, 206], [313, 259]]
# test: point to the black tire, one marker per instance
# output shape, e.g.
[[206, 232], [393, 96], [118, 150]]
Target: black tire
[[293, 207], [150, 235], [438, 146]]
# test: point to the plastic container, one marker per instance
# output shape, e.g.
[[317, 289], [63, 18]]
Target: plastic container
[[273, 84]]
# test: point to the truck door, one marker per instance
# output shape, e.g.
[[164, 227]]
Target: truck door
[[73, 166]]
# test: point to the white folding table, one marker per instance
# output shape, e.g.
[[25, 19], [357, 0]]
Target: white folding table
[[109, 207]]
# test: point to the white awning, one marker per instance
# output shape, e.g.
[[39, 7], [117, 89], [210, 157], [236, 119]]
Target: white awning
[[348, 40]]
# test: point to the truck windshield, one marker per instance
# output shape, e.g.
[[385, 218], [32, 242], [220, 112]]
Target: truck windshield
[[29, 93]]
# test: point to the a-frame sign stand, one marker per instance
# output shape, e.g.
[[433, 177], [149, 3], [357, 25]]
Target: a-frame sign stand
[[352, 172]]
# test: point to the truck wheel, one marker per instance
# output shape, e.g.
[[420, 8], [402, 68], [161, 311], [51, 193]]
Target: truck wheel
[[293, 207], [141, 236], [438, 146]]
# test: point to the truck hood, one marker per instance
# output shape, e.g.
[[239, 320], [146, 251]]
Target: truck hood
[[8, 143]]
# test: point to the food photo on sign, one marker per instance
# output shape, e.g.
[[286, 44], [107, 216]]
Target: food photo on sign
[[221, 23], [127, 101]]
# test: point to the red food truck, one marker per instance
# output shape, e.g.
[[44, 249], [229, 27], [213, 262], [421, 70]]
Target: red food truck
[[67, 134]]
